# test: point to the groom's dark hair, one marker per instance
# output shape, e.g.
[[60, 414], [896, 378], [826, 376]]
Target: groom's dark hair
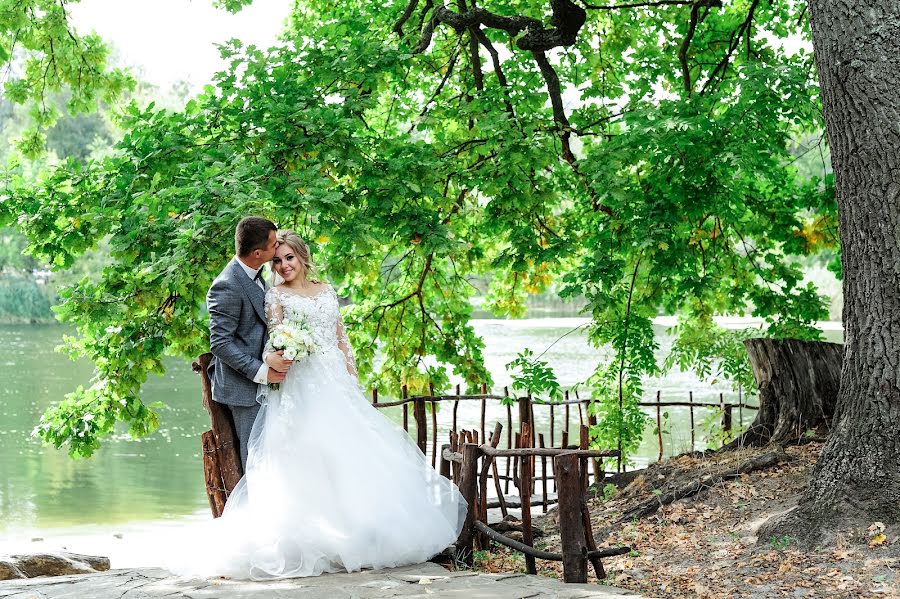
[[252, 233]]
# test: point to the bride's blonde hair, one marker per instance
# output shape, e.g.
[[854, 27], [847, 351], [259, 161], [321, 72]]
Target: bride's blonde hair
[[301, 250]]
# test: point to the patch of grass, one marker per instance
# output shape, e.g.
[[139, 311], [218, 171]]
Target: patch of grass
[[480, 558], [780, 543], [609, 491]]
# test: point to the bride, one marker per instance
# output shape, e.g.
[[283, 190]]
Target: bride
[[331, 484]]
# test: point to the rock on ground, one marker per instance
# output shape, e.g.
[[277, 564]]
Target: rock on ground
[[50, 564], [419, 581]]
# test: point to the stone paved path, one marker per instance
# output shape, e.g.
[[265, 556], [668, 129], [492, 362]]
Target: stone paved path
[[419, 581]]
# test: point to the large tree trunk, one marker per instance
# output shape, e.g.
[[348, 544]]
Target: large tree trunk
[[857, 479], [798, 385]]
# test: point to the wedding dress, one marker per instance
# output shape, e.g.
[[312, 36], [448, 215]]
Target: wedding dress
[[331, 484]]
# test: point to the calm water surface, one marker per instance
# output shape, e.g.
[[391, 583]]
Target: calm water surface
[[159, 479]]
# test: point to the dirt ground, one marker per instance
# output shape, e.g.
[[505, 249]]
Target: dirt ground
[[706, 545]]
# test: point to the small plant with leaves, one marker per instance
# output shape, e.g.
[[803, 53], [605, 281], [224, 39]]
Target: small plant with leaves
[[714, 433], [780, 543], [609, 491], [535, 376]]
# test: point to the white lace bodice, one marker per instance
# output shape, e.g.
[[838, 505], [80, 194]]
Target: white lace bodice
[[321, 312]]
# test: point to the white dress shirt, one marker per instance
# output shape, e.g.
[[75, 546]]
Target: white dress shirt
[[262, 375]]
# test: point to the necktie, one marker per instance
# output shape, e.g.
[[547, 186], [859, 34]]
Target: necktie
[[259, 279]]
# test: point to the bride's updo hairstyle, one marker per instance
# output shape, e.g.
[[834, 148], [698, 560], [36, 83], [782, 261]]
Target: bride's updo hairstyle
[[301, 251]]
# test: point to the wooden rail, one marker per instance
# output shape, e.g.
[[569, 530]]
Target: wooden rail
[[525, 410]]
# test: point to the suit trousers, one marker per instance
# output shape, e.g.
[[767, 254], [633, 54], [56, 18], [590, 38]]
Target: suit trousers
[[244, 417]]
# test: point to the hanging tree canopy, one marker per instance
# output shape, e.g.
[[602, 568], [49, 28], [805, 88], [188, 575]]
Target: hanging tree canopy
[[638, 156]]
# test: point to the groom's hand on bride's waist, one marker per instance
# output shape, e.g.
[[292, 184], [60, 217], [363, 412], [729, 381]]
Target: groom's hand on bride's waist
[[276, 361]]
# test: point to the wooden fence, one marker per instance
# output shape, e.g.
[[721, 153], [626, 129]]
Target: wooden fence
[[561, 416]]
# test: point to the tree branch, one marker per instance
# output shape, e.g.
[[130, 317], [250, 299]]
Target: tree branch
[[567, 20], [498, 71], [559, 112], [685, 44], [407, 13], [733, 43], [638, 4], [440, 87]]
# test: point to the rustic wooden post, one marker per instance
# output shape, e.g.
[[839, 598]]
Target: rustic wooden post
[[484, 391], [658, 428], [571, 524], [525, 413], [516, 459], [500, 498], [584, 443], [543, 475], [468, 488], [509, 439], [580, 412], [726, 413], [454, 447], [525, 489], [486, 464], [421, 424], [691, 401], [595, 463], [552, 427], [403, 396], [445, 464], [585, 512], [226, 455], [455, 406], [434, 434]]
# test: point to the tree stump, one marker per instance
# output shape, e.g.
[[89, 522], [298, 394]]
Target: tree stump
[[221, 459], [798, 388]]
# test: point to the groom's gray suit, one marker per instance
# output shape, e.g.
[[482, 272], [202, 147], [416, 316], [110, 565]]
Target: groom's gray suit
[[237, 327]]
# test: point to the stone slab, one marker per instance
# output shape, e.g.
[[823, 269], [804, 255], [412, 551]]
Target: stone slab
[[420, 581]]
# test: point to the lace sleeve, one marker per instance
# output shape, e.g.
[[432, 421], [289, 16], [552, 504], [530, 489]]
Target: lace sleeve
[[274, 315], [344, 345]]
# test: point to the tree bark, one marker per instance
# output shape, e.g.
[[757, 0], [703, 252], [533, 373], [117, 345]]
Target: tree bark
[[798, 385], [857, 479]]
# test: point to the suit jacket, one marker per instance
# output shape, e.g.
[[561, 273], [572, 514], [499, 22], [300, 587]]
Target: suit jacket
[[237, 335]]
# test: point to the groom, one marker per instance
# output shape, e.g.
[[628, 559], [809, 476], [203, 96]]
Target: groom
[[237, 328]]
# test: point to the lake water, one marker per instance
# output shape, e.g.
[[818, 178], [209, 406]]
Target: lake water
[[140, 486]]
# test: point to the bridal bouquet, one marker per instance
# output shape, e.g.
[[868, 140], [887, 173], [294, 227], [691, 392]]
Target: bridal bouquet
[[294, 338]]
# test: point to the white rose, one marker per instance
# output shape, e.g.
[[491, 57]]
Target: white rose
[[290, 353]]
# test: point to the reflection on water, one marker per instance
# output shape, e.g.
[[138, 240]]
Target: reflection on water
[[160, 477]]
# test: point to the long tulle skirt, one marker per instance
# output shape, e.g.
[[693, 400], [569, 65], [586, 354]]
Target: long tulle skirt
[[331, 485]]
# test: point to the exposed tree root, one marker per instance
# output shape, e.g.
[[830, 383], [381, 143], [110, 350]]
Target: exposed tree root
[[651, 505]]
